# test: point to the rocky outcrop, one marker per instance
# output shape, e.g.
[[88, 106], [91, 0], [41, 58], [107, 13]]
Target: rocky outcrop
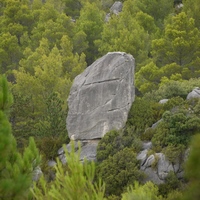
[[37, 173], [116, 7], [157, 166], [88, 150], [101, 97], [99, 101], [194, 94], [163, 101]]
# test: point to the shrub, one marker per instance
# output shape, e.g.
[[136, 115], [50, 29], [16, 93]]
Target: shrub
[[119, 171]]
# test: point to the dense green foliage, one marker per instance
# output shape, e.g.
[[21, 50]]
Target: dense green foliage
[[192, 170], [72, 181], [16, 170], [44, 45], [146, 192], [120, 171]]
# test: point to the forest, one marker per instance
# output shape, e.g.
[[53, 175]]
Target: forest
[[45, 44]]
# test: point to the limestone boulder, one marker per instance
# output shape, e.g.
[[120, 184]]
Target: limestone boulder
[[37, 173], [101, 97], [88, 150], [163, 166], [116, 8], [157, 166], [194, 94], [163, 101]]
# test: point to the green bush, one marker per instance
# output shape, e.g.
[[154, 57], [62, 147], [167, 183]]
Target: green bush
[[141, 114], [174, 153], [109, 145], [119, 171], [171, 183], [176, 128], [114, 141]]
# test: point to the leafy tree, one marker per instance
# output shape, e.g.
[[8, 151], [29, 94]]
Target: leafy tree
[[15, 22], [72, 8], [141, 114], [176, 129], [53, 123], [115, 141], [16, 170], [91, 23], [52, 24], [124, 33], [179, 45], [120, 171], [51, 131], [73, 181], [9, 53], [17, 18], [191, 8], [151, 8], [73, 63], [41, 75], [148, 78], [171, 184]]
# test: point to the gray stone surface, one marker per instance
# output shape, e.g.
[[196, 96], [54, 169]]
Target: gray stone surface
[[163, 166], [163, 101], [88, 150], [116, 8], [37, 173], [156, 124], [148, 163], [147, 145], [194, 94], [142, 156], [101, 97], [51, 163], [157, 172], [151, 175]]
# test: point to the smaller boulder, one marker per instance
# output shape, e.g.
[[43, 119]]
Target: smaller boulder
[[147, 145], [142, 156], [156, 124], [163, 101], [194, 94], [151, 175], [37, 173], [164, 166], [149, 162], [116, 7], [89, 151]]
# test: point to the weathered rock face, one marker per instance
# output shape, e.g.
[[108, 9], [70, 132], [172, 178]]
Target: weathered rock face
[[101, 97], [194, 94], [88, 150], [116, 7], [157, 166]]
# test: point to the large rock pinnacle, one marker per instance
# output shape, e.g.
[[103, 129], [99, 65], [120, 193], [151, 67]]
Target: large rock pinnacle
[[101, 97]]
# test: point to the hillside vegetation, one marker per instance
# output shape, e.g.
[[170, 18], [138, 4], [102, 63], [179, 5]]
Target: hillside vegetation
[[44, 45]]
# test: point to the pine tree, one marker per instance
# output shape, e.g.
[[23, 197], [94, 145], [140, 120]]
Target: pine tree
[[16, 170], [74, 181]]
